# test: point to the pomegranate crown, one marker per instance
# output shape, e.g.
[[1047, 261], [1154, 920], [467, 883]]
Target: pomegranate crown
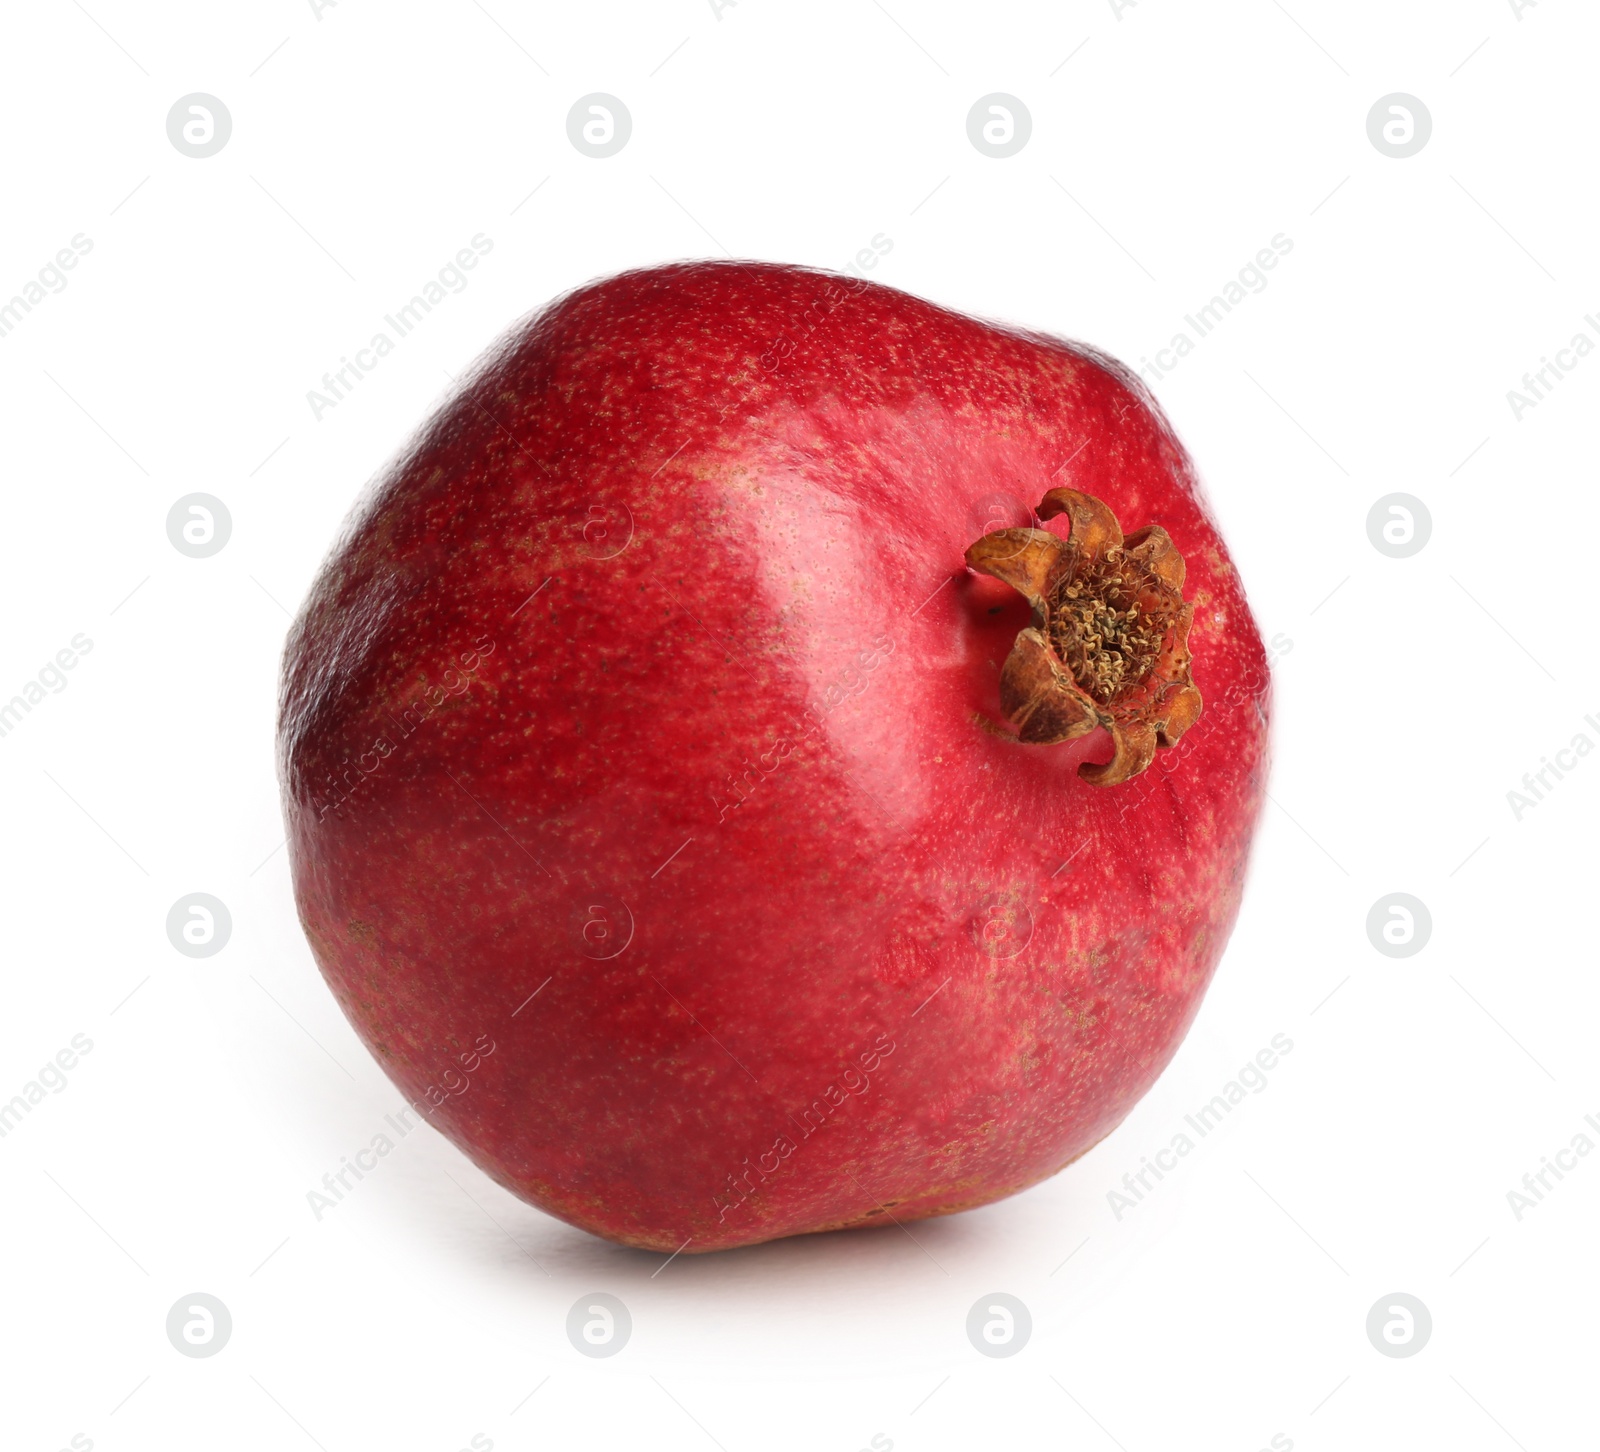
[[1109, 642]]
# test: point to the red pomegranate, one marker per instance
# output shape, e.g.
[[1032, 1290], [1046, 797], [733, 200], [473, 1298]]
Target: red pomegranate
[[774, 755]]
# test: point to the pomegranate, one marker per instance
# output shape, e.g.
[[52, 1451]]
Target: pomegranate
[[774, 755]]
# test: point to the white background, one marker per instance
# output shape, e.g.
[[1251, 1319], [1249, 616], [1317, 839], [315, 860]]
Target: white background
[[1169, 145]]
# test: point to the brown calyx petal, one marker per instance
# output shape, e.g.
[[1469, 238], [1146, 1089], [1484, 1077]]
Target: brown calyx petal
[[1152, 546], [1176, 702], [1031, 561], [1039, 696], [1135, 743], [1182, 712], [1094, 527], [1099, 601]]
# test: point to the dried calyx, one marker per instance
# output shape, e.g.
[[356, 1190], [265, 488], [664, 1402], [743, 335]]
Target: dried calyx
[[1109, 642]]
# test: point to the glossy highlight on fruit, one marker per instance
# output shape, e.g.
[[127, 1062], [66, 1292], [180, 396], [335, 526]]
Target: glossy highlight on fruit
[[742, 708]]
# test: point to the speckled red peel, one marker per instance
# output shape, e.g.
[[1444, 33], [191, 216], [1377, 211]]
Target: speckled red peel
[[646, 725]]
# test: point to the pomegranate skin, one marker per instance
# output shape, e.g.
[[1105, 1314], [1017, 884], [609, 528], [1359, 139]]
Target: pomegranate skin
[[650, 807]]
